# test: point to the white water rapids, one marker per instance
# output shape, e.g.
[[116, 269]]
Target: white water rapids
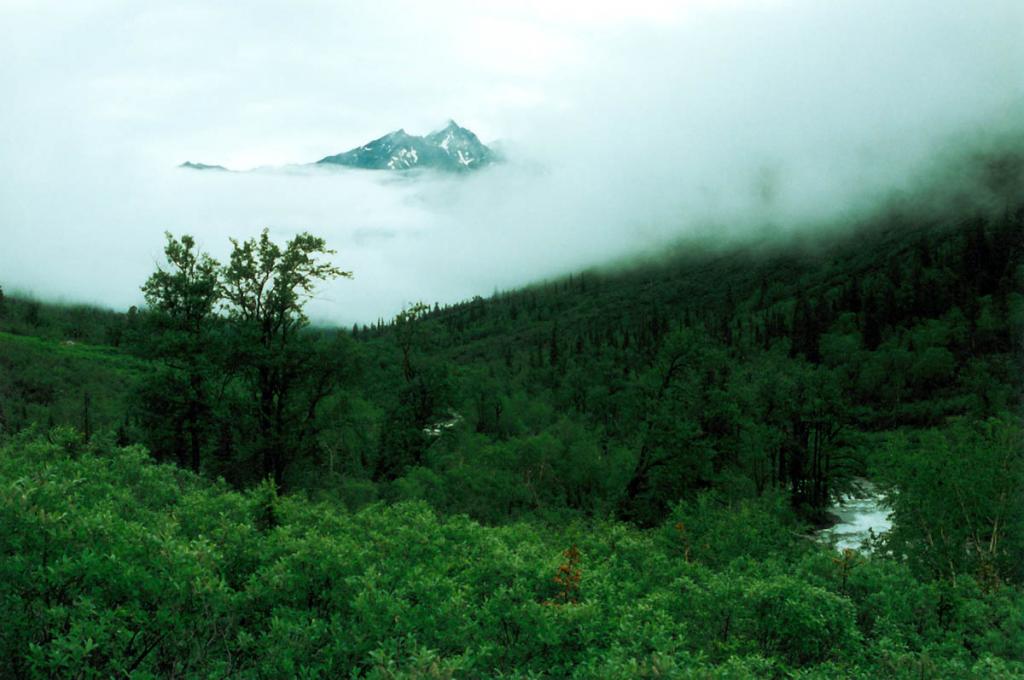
[[862, 514]]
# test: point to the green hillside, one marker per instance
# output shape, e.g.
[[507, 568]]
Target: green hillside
[[614, 474], [49, 382]]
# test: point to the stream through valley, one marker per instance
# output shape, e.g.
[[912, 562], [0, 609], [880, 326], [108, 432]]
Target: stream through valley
[[862, 513]]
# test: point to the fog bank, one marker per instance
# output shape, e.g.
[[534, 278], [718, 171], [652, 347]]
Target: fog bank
[[624, 130]]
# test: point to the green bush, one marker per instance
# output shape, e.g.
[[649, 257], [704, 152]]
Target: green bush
[[114, 566]]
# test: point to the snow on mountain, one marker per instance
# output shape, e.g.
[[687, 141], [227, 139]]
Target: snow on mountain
[[460, 145], [452, 148]]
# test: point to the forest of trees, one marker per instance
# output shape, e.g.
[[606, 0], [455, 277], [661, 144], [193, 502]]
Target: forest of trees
[[614, 474]]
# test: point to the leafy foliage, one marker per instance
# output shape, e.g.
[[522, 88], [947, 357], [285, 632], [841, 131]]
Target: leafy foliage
[[114, 565]]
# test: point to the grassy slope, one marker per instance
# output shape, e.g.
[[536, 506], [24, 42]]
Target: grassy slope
[[46, 381]]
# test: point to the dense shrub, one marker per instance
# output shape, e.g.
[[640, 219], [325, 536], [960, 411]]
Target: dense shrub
[[115, 566]]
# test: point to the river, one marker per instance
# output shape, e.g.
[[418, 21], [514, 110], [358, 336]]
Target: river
[[861, 514]]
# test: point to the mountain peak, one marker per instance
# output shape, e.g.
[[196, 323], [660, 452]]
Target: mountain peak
[[201, 166], [452, 148]]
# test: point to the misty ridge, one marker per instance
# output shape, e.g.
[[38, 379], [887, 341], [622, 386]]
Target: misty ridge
[[428, 236], [452, 148]]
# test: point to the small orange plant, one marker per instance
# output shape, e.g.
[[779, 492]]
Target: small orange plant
[[685, 538], [568, 577], [844, 564]]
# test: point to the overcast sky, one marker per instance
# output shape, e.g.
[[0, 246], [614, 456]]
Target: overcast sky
[[626, 125]]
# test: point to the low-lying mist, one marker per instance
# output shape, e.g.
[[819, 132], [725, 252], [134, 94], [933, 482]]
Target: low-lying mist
[[748, 120], [422, 236]]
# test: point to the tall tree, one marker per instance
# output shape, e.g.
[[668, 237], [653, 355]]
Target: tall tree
[[182, 298], [420, 400], [669, 432], [287, 371], [959, 508]]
